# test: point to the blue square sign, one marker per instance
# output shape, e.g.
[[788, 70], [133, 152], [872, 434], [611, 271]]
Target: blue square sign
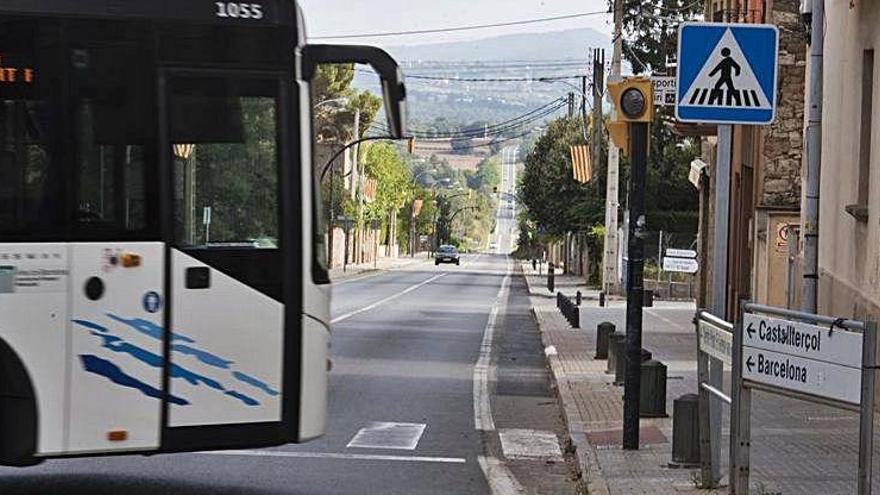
[[727, 73]]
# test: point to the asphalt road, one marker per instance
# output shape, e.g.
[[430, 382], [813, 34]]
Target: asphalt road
[[438, 387]]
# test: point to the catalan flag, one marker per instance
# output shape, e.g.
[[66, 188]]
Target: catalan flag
[[371, 189], [581, 164]]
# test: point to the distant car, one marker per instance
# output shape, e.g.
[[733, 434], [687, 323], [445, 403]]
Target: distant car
[[446, 254]]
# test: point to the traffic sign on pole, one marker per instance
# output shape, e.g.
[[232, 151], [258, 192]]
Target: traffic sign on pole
[[727, 73], [681, 253], [813, 342], [682, 265], [664, 91], [716, 342]]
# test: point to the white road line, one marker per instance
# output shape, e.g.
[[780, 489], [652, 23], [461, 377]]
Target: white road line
[[499, 477], [483, 369], [501, 480], [359, 278], [326, 455], [386, 300]]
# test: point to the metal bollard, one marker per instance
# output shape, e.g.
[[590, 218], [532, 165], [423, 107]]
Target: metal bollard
[[615, 352], [580, 298], [602, 299], [652, 393], [551, 277], [534, 264], [648, 298], [620, 362], [686, 431], [604, 331]]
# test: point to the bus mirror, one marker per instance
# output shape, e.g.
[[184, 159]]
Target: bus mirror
[[393, 88]]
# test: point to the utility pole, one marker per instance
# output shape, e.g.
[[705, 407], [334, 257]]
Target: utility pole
[[355, 186], [810, 212], [598, 90], [609, 259], [570, 104]]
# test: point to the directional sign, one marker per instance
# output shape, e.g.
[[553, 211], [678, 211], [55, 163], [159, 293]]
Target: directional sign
[[664, 90], [716, 342], [727, 73], [681, 253], [802, 375], [838, 347], [802, 357], [683, 265]]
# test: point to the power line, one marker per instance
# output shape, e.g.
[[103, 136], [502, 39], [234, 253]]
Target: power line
[[425, 77], [495, 129], [458, 28]]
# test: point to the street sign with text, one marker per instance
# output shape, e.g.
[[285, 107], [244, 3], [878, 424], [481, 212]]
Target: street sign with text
[[664, 90], [716, 342], [805, 358], [683, 265], [681, 253]]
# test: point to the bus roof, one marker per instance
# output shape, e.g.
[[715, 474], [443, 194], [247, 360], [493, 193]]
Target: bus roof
[[272, 12]]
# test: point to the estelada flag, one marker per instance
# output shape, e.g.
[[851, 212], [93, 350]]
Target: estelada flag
[[581, 164]]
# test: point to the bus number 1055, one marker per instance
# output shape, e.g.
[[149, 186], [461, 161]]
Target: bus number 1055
[[240, 10]]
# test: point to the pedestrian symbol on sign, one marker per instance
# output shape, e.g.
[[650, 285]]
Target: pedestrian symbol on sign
[[727, 74]]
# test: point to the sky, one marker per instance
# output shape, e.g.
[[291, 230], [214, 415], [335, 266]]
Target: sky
[[329, 17]]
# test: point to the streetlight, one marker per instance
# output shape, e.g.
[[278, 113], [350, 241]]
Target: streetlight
[[412, 217]]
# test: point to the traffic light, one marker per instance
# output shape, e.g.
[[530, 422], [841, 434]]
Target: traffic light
[[633, 99]]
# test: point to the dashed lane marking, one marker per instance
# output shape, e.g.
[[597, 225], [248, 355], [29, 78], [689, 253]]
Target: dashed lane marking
[[530, 444], [380, 435], [340, 456], [386, 300]]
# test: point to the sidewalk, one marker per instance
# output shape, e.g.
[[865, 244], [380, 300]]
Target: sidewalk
[[352, 271], [797, 447]]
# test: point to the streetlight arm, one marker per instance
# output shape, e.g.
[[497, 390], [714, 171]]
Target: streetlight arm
[[452, 218], [349, 145]]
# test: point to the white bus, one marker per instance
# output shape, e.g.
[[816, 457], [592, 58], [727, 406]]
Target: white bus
[[162, 287]]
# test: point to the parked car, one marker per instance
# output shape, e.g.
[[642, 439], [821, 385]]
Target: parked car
[[446, 254]]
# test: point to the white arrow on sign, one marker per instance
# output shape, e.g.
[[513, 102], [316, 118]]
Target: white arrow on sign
[[684, 265], [839, 347], [818, 378]]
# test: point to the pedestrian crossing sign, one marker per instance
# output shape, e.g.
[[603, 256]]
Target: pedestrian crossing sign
[[727, 73]]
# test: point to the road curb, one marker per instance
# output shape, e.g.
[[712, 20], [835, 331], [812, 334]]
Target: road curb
[[585, 453]]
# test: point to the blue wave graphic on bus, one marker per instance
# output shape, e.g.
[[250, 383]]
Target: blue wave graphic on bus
[[117, 344], [98, 366]]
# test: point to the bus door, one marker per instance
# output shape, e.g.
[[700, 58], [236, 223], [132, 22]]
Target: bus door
[[227, 308], [116, 255]]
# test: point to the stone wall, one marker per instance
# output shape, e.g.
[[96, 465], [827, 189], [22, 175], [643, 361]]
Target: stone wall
[[783, 141]]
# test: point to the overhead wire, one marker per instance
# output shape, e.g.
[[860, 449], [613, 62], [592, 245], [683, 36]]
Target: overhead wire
[[457, 28], [495, 129]]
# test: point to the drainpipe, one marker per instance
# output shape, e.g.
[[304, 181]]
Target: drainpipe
[[810, 207]]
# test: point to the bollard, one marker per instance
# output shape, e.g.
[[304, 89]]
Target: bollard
[[614, 342], [652, 393], [580, 298], [686, 431], [620, 362], [604, 331], [551, 276], [534, 264], [602, 299], [648, 298]]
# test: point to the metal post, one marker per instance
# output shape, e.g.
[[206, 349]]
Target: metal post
[[736, 389], [719, 279], [635, 287], [866, 419], [610, 248], [703, 412], [331, 215], [810, 208], [744, 444]]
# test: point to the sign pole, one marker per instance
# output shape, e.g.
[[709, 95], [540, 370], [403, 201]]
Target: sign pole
[[736, 391], [866, 417], [635, 287]]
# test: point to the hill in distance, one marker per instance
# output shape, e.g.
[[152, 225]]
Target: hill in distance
[[572, 43]]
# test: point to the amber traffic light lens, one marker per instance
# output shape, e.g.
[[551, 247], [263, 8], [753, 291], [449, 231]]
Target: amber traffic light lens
[[633, 103]]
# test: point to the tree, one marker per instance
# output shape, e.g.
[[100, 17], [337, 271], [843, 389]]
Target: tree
[[651, 31], [552, 198], [382, 161]]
